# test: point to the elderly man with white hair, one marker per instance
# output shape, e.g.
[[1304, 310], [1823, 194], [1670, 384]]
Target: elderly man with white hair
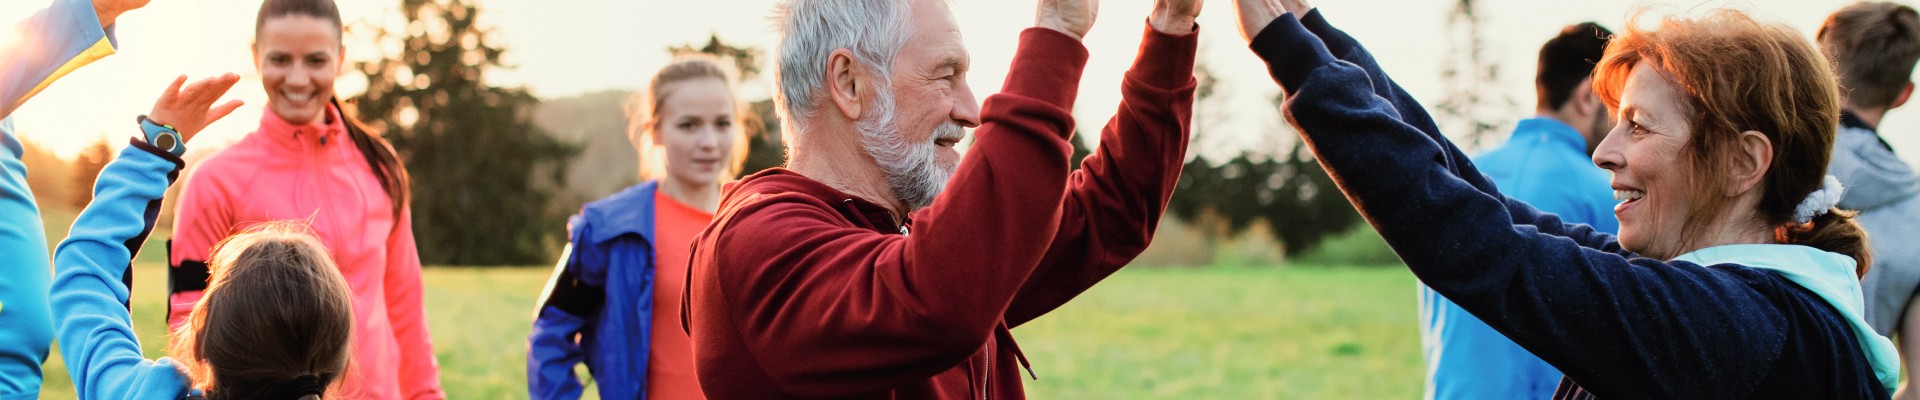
[[881, 263]]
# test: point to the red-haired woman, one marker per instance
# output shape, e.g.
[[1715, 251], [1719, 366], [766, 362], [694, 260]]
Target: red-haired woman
[[1733, 275]]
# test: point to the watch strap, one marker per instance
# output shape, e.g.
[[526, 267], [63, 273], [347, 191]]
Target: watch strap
[[162, 136]]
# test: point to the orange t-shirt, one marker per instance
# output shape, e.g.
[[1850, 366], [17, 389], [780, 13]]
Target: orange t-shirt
[[670, 371]]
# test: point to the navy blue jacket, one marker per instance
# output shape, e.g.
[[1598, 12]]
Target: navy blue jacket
[[1620, 325], [602, 291]]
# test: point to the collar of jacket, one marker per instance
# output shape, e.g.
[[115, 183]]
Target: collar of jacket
[[1828, 275], [860, 212], [629, 211], [1849, 120], [287, 137], [1545, 129]]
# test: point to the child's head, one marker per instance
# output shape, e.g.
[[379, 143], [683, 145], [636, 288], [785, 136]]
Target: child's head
[[276, 319]]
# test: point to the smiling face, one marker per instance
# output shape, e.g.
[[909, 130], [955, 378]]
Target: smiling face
[[930, 82], [919, 115], [1647, 154], [696, 127], [298, 57]]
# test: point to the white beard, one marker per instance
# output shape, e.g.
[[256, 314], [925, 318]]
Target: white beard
[[913, 170]]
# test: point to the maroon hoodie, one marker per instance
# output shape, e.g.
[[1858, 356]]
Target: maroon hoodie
[[800, 290]]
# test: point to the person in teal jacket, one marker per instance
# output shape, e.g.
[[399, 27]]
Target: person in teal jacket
[[55, 41], [274, 323]]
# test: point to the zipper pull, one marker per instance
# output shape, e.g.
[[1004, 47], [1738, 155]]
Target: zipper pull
[[323, 140]]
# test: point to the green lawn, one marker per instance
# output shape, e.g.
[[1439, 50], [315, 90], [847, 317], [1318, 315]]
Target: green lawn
[[1223, 332]]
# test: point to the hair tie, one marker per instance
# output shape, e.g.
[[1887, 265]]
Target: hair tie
[[1818, 202], [298, 387]]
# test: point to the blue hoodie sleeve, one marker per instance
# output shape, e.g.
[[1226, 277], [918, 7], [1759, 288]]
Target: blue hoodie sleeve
[[90, 293], [1344, 47], [1626, 327], [573, 294], [52, 41]]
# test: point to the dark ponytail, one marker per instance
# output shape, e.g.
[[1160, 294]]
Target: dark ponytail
[[1834, 232], [381, 158]]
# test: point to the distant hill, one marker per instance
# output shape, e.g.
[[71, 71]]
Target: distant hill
[[595, 122]]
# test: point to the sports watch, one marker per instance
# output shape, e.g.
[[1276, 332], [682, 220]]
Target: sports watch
[[163, 136]]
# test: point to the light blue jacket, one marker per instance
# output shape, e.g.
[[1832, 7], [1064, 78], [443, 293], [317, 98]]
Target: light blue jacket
[[90, 292], [1883, 189], [1545, 164], [53, 42]]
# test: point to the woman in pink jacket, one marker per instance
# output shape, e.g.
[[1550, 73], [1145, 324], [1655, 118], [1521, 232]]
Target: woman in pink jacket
[[308, 162]]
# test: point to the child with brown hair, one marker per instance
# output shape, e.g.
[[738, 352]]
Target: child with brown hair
[[275, 322]]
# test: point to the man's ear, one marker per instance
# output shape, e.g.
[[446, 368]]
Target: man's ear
[[845, 82], [1750, 164], [1906, 92], [1583, 97]]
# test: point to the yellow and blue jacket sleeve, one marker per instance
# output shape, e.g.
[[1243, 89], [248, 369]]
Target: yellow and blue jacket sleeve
[[51, 44], [33, 53]]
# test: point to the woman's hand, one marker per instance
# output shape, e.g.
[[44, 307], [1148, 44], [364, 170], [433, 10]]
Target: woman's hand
[[1298, 8], [1174, 17], [1256, 14], [187, 109], [1072, 17]]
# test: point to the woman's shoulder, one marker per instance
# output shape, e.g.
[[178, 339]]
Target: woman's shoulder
[[1821, 354], [630, 210]]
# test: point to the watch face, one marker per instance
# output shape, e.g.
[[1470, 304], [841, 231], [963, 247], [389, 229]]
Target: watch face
[[165, 141]]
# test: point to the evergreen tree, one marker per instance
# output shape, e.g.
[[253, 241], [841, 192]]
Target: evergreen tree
[[86, 170], [484, 176]]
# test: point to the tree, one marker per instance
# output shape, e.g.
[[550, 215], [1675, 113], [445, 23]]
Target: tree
[[484, 175], [1474, 105], [49, 175], [86, 170], [1290, 192]]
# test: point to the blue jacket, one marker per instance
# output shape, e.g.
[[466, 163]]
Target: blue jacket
[[90, 292], [602, 290], [1620, 326], [1544, 164], [53, 42]]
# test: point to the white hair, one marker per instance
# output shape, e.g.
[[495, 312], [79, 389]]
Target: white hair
[[810, 30]]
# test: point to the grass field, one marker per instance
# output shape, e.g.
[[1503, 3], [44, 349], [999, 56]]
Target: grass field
[[1158, 333]]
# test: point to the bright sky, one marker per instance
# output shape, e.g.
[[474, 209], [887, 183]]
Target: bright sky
[[568, 48]]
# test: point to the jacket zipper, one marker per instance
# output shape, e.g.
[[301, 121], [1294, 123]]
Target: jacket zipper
[[986, 371]]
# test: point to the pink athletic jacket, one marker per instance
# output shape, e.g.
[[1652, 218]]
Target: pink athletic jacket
[[314, 173]]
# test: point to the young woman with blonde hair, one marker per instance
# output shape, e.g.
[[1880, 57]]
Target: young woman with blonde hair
[[614, 301]]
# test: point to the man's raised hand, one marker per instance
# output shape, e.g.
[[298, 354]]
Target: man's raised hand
[[1072, 17], [1174, 16]]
